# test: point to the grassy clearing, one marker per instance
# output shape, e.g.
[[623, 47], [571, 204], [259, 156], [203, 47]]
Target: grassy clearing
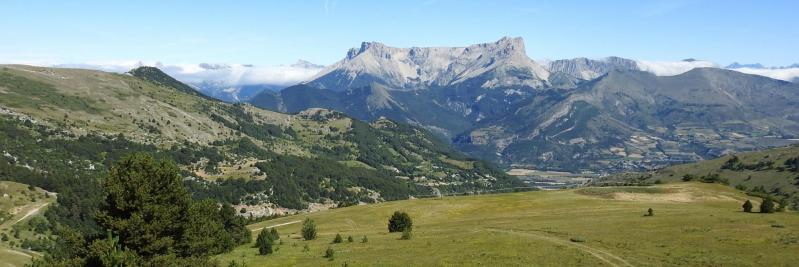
[[539, 228]]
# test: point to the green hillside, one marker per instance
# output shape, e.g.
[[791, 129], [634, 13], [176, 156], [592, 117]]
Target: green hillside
[[61, 129], [220, 141], [767, 172], [694, 224]]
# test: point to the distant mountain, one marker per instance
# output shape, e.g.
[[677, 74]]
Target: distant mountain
[[631, 119], [580, 114], [492, 65]]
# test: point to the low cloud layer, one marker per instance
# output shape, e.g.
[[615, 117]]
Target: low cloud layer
[[786, 74], [669, 68], [218, 74]]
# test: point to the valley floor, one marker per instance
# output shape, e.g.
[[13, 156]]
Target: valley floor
[[694, 224]]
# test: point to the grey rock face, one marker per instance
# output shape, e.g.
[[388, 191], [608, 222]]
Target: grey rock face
[[497, 64], [589, 69]]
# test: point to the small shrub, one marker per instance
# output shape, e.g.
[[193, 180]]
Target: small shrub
[[747, 206], [364, 239], [650, 212], [406, 234], [337, 239], [274, 234], [306, 248], [330, 253], [349, 239]]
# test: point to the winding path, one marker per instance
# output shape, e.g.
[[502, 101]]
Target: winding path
[[602, 255], [276, 225]]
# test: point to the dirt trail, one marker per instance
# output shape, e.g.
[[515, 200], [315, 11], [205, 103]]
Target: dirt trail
[[276, 225], [17, 252], [32, 212], [602, 255]]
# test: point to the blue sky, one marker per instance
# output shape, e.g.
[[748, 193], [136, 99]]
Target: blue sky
[[280, 32]]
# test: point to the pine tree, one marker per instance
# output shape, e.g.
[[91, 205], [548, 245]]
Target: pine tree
[[747, 206], [264, 242], [146, 204], [274, 234], [767, 206], [309, 229]]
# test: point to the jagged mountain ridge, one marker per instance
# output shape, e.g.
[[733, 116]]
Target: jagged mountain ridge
[[502, 63]]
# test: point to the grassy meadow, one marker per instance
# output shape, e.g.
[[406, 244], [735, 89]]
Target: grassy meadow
[[693, 224]]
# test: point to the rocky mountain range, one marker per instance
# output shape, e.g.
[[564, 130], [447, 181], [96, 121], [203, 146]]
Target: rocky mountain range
[[611, 114], [499, 64]]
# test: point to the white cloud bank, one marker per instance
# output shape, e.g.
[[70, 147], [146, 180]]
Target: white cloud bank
[[786, 74], [218, 74], [670, 68]]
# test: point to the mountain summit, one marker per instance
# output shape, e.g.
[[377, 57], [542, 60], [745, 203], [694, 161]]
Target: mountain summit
[[493, 65]]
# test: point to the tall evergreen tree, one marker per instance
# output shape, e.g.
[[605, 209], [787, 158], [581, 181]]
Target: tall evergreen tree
[[146, 205]]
